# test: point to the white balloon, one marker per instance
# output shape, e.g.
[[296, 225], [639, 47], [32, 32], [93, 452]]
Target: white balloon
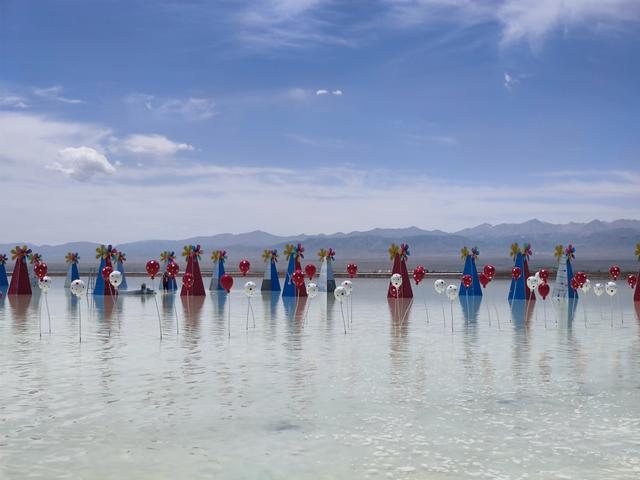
[[340, 293], [45, 283], [533, 282], [115, 278], [598, 289], [396, 280], [537, 275], [452, 292], [439, 285], [78, 288], [586, 287], [250, 289], [312, 290], [348, 286], [611, 288]]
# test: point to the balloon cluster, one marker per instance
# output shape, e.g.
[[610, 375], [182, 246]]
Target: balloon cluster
[[580, 281], [539, 282], [486, 275]]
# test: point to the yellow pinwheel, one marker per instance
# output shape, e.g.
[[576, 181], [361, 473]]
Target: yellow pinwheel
[[102, 252], [288, 250], [638, 251], [558, 251], [464, 252], [394, 250], [515, 249], [322, 254], [266, 255], [186, 251]]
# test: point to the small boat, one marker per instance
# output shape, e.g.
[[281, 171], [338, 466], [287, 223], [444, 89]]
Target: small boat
[[139, 292]]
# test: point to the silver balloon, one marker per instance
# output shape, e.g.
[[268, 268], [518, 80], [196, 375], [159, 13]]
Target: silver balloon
[[78, 288], [348, 286], [440, 286], [586, 287], [452, 292], [312, 290], [611, 288], [340, 293], [250, 289], [115, 278], [45, 284], [598, 289], [533, 282], [396, 280]]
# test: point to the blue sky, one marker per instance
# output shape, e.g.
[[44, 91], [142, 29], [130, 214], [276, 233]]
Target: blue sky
[[193, 118]]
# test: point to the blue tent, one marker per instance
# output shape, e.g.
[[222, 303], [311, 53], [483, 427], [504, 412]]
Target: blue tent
[[99, 287], [571, 293], [289, 289], [4, 281], [470, 269], [518, 289]]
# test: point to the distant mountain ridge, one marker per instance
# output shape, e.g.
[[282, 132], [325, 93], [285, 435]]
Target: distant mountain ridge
[[595, 241]]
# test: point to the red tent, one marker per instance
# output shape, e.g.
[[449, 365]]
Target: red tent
[[192, 255], [20, 284], [399, 256]]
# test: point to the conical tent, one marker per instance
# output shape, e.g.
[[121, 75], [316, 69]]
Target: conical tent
[[192, 255], [519, 289], [20, 278], [4, 281], [104, 254], [294, 255], [326, 280], [270, 281], [562, 286], [470, 269], [119, 259], [166, 258], [219, 257], [399, 256], [72, 259]]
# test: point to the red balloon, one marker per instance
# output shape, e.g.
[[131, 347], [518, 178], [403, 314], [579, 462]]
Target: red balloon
[[310, 270], [244, 267], [226, 281], [418, 274], [106, 271], [543, 290], [614, 271], [632, 280], [574, 283], [467, 280], [40, 270], [581, 278], [484, 279], [187, 280], [298, 278], [515, 273], [153, 268], [173, 269], [489, 271], [544, 276], [352, 270]]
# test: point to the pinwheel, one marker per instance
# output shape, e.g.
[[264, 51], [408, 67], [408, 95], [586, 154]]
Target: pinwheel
[[20, 252], [299, 251], [288, 250], [103, 252], [404, 251], [120, 257], [168, 256], [394, 250], [464, 252], [638, 251], [72, 257], [192, 251], [322, 254], [515, 249], [3, 259], [475, 252], [558, 252], [570, 251], [266, 255], [34, 258], [526, 251], [331, 254]]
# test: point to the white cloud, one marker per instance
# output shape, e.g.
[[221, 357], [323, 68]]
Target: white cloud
[[81, 163], [191, 108], [337, 92], [8, 100], [321, 92], [152, 145], [55, 93], [509, 81]]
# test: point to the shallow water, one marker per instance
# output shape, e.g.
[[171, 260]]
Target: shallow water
[[399, 396]]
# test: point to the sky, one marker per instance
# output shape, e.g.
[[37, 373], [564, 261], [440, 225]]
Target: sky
[[132, 120]]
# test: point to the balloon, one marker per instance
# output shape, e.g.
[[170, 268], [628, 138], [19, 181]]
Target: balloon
[[106, 271], [544, 275], [78, 288], [40, 269], [310, 270], [312, 290], [340, 293], [226, 281], [439, 286], [173, 269], [632, 280], [348, 286], [484, 279], [396, 280], [152, 268], [45, 284], [298, 278], [611, 288], [533, 282], [188, 280], [418, 274], [250, 289], [115, 278], [244, 267], [452, 292], [574, 283], [581, 278], [614, 271], [515, 273], [543, 290], [467, 280], [352, 270], [598, 289], [489, 271], [586, 286]]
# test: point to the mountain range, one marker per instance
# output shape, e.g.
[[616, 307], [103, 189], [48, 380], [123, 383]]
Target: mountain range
[[598, 244]]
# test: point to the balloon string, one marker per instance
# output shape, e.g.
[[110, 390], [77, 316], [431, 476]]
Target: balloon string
[[343, 322], [79, 320], [158, 311], [253, 316], [46, 301]]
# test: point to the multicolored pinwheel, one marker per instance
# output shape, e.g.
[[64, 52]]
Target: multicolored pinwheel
[[3, 259], [103, 252], [570, 251], [192, 251], [299, 251], [217, 255], [72, 257], [270, 255], [34, 258], [20, 252], [168, 256], [526, 251], [404, 251], [120, 256]]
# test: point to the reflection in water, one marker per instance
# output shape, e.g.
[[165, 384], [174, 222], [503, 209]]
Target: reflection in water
[[270, 301], [294, 308], [470, 307], [191, 312], [521, 313], [22, 308], [566, 311]]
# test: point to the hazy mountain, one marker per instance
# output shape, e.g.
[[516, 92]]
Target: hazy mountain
[[597, 243]]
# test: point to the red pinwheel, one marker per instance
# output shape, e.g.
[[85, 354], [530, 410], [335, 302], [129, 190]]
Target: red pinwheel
[[489, 271], [244, 267], [40, 269], [152, 267], [614, 271], [543, 290], [310, 270], [173, 269], [515, 273], [484, 279], [188, 280], [467, 280], [298, 278], [227, 282], [632, 280], [352, 270], [544, 275]]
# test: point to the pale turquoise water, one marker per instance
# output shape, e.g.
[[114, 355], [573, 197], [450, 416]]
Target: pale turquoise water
[[387, 400]]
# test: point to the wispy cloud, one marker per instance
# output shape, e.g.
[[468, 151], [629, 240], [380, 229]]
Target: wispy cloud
[[9, 100], [151, 145], [190, 108], [55, 93]]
